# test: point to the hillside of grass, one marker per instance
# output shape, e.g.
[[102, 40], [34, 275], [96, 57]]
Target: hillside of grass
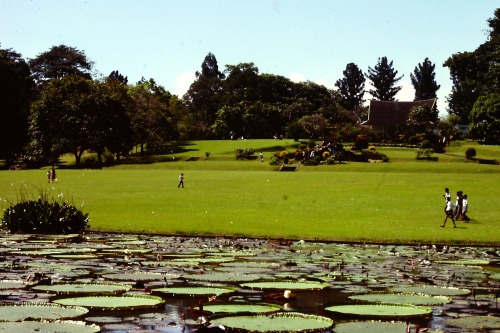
[[395, 202]]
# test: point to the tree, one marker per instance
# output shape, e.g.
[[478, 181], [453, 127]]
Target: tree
[[153, 123], [383, 78], [15, 95], [475, 73], [423, 81], [422, 115], [116, 76], [204, 96], [351, 87], [314, 125], [60, 61], [60, 119], [485, 119]]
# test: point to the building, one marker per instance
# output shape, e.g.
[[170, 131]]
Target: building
[[390, 117]]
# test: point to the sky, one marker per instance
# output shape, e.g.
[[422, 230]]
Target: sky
[[304, 40]]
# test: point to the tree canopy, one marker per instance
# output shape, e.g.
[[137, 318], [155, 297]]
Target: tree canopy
[[351, 87], [383, 78], [423, 81]]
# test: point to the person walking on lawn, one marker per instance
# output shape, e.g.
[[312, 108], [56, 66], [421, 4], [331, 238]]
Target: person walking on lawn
[[181, 181], [449, 213]]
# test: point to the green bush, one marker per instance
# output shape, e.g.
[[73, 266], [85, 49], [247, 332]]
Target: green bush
[[44, 217], [425, 144], [330, 161], [372, 154], [470, 153], [424, 153], [243, 154]]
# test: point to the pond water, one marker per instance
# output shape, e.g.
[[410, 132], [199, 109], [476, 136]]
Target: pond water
[[459, 285]]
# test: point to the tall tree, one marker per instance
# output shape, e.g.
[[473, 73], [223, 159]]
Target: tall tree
[[351, 87], [383, 78], [423, 81], [485, 119], [475, 73], [204, 96], [15, 94], [116, 76], [60, 61], [153, 123]]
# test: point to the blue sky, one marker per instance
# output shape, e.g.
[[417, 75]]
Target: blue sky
[[310, 40]]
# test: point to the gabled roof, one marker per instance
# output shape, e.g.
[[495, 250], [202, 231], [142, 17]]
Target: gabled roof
[[393, 112]]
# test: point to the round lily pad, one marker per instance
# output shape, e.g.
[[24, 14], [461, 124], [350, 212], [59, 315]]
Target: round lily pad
[[380, 310], [222, 277], [12, 284], [138, 276], [432, 290], [474, 262], [401, 298], [41, 311], [373, 327], [239, 308], [84, 288], [276, 322], [126, 302], [475, 322], [291, 285], [48, 327], [195, 290]]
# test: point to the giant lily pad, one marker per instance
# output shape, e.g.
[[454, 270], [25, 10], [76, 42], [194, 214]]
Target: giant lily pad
[[473, 262], [372, 327], [291, 285], [401, 298], [12, 284], [215, 277], [126, 302], [48, 327], [380, 310], [475, 323], [42, 311], [84, 288], [239, 308], [432, 290], [194, 290], [276, 322], [138, 276]]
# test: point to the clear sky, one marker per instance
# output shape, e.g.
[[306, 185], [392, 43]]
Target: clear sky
[[312, 40]]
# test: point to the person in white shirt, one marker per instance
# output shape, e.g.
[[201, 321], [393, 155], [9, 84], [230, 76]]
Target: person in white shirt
[[465, 208], [449, 213]]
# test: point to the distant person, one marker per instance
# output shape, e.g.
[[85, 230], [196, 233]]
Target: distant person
[[48, 176], [261, 157], [53, 175], [458, 205], [449, 212], [181, 180], [446, 194], [465, 208]]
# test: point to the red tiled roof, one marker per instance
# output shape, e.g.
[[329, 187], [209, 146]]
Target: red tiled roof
[[393, 112]]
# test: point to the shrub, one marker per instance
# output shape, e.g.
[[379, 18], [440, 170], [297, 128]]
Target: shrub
[[413, 140], [311, 162], [470, 153], [375, 155], [330, 161], [242, 154], [425, 144], [424, 153], [42, 216], [325, 155], [361, 142]]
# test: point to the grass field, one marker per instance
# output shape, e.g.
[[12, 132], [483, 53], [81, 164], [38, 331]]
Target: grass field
[[395, 202]]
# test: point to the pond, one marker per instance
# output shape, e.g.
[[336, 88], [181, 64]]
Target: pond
[[148, 283]]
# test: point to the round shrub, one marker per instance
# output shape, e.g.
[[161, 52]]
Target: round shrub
[[44, 217], [425, 144], [470, 153]]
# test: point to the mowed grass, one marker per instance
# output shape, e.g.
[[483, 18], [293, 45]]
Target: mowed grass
[[396, 202]]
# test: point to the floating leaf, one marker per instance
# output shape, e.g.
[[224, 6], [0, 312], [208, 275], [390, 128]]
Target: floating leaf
[[401, 298], [84, 288], [239, 308], [276, 322], [45, 311], [432, 290], [380, 310], [127, 302], [291, 285], [194, 290], [48, 327]]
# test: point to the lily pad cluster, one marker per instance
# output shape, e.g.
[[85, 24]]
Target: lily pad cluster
[[115, 282]]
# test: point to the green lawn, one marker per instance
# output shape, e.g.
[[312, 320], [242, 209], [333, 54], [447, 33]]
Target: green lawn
[[395, 202]]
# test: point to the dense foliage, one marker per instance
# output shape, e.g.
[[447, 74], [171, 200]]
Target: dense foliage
[[53, 104], [44, 217]]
